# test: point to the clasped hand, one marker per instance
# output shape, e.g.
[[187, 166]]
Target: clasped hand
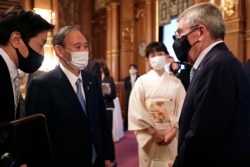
[[161, 139]]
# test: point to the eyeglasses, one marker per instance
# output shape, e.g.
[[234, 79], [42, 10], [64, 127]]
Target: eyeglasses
[[178, 35]]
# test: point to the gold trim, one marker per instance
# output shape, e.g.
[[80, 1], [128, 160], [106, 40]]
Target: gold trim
[[228, 6], [157, 20]]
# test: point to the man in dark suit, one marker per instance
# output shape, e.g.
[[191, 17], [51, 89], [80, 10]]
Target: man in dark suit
[[214, 127], [79, 132], [94, 68], [183, 75], [129, 82], [23, 35]]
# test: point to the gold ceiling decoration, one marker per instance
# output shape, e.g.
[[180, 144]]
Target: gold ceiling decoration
[[168, 9], [228, 6]]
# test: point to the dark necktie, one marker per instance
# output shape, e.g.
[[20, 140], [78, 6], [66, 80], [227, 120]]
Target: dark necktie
[[192, 73], [80, 96]]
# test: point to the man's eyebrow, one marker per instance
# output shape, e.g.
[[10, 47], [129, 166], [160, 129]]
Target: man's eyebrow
[[81, 43]]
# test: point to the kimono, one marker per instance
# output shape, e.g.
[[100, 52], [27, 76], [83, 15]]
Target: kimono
[[155, 101]]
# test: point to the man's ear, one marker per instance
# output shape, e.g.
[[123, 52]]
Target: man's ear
[[203, 32], [15, 38], [58, 51], [16, 41]]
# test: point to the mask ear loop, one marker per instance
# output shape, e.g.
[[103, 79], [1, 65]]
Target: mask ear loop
[[195, 43], [198, 39]]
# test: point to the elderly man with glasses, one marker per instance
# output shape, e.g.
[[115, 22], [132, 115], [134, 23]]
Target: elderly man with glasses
[[214, 126]]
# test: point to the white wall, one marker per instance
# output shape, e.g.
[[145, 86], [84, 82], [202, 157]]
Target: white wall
[[168, 32]]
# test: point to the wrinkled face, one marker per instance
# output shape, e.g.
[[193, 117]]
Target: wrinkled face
[[75, 42], [193, 37], [197, 35]]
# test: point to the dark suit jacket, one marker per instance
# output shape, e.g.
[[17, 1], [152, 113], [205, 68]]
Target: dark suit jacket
[[71, 132], [215, 119], [108, 99], [184, 76], [7, 101], [94, 68], [128, 88]]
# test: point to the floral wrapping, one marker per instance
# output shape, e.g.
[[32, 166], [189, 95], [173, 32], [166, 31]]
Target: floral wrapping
[[161, 111]]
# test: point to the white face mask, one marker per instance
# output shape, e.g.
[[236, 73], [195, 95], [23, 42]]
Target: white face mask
[[132, 71], [158, 62], [79, 60]]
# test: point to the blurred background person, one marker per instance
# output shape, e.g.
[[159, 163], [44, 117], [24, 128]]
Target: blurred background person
[[94, 68], [129, 82], [109, 94], [169, 60], [184, 74], [174, 68]]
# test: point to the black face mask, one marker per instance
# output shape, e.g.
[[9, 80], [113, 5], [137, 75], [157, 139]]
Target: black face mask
[[32, 62], [182, 46]]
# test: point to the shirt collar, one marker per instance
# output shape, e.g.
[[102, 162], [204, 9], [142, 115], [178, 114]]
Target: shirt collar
[[71, 77], [204, 53], [10, 64]]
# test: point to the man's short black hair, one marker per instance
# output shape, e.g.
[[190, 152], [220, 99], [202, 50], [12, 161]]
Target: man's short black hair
[[28, 23]]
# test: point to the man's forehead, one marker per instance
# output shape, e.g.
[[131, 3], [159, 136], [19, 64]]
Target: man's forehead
[[75, 37], [182, 23]]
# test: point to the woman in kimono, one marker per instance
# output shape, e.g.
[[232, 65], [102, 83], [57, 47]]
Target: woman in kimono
[[154, 109]]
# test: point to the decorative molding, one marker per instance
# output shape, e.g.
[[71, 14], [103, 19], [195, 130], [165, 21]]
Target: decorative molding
[[67, 12], [127, 31], [235, 25], [99, 4], [127, 34], [6, 4], [228, 6], [139, 13], [168, 9], [247, 35], [164, 12]]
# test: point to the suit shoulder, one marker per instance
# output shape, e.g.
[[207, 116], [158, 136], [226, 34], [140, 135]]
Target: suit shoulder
[[88, 74]]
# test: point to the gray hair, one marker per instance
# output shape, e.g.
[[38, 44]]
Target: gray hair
[[58, 38], [207, 14]]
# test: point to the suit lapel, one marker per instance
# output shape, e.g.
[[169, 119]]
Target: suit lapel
[[68, 91], [213, 52], [87, 86], [7, 102]]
